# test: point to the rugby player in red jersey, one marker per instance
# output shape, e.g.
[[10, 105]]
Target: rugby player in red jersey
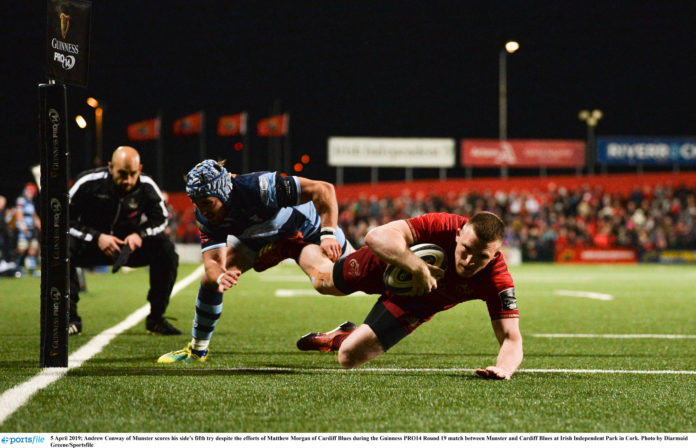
[[476, 270]]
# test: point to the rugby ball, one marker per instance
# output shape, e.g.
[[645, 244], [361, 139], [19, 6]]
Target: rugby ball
[[399, 282]]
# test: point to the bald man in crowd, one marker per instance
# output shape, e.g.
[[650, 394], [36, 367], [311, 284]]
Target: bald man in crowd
[[118, 217]]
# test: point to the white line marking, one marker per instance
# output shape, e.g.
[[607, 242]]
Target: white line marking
[[637, 372], [14, 398], [617, 336], [307, 292], [295, 292], [586, 294], [450, 369]]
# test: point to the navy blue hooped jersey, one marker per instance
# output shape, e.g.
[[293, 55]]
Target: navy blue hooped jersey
[[262, 207]]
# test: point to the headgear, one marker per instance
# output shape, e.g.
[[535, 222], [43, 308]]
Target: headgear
[[208, 178]]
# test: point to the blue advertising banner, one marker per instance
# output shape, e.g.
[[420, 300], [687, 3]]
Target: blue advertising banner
[[646, 151]]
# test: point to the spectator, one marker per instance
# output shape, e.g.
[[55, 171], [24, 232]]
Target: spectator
[[7, 265], [28, 225]]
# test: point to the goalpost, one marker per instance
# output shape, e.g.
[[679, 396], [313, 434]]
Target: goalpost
[[55, 283], [67, 50]]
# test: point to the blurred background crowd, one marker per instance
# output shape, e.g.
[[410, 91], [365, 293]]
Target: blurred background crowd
[[544, 223], [19, 234], [540, 223]]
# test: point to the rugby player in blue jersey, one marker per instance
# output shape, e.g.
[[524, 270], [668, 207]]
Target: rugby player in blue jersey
[[250, 221]]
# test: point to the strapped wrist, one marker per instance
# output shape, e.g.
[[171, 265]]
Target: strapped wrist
[[327, 232]]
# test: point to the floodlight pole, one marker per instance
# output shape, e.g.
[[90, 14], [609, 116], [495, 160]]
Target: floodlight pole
[[98, 127], [502, 95], [510, 47]]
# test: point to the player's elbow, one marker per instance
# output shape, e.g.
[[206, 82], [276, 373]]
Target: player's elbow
[[325, 195], [329, 189], [373, 237]]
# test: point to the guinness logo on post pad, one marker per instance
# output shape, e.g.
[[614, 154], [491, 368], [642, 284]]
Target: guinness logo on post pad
[[67, 40], [64, 24]]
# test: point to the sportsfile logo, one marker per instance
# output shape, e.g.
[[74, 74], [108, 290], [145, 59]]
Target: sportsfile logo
[[25, 439]]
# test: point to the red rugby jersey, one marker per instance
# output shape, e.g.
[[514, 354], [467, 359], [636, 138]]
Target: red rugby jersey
[[493, 284]]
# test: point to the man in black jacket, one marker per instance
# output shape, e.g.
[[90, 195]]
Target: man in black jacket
[[119, 209]]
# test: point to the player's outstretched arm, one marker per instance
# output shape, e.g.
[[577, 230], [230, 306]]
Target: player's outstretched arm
[[390, 243], [323, 195], [217, 276], [510, 354]]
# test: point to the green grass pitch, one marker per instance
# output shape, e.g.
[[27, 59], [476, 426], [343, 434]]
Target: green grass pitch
[[257, 381]]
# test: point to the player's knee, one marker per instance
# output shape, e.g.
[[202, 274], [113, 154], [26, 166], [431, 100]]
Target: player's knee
[[346, 359], [351, 357]]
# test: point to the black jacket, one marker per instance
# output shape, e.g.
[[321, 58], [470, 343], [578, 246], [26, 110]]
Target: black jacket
[[95, 207]]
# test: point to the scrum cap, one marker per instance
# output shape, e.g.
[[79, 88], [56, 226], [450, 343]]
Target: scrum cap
[[208, 178]]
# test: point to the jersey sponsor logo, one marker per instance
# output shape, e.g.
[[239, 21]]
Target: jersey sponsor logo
[[354, 268], [284, 188]]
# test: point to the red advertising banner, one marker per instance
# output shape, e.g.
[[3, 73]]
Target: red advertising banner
[[523, 153], [595, 255]]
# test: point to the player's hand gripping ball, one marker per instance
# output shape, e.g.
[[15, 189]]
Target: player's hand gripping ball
[[400, 282]]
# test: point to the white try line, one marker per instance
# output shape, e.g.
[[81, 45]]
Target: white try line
[[435, 369], [586, 294], [14, 398], [616, 336]]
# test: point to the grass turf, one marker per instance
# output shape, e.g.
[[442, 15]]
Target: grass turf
[[257, 381]]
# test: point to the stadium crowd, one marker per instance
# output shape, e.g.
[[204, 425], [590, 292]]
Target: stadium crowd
[[539, 223], [542, 223]]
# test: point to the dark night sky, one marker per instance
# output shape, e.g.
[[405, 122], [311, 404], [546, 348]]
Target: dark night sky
[[358, 68]]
